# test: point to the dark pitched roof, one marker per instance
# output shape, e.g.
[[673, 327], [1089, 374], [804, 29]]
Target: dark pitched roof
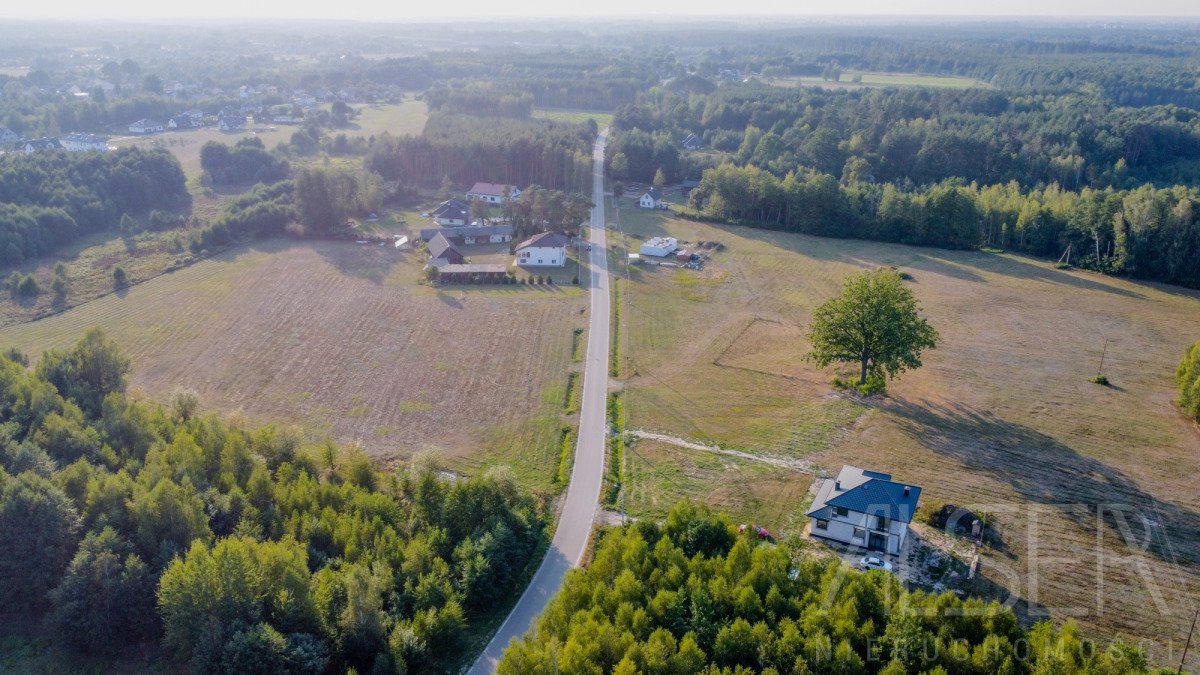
[[44, 144], [493, 189], [654, 194], [439, 245], [545, 240], [467, 231], [453, 209], [869, 492], [690, 184]]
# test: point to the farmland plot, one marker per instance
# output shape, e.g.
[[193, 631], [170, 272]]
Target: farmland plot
[[1093, 487], [340, 340]]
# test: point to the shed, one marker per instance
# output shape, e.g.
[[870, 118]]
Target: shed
[[683, 256], [440, 248], [659, 246]]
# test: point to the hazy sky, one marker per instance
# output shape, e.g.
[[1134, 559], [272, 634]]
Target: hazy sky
[[387, 9]]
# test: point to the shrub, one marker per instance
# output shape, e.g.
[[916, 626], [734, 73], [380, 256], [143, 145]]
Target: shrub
[[1188, 379], [120, 278], [1101, 379], [575, 279], [28, 288]]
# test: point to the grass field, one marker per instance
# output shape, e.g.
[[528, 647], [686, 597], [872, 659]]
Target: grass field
[[340, 340], [881, 80], [402, 118], [603, 119], [1002, 415]]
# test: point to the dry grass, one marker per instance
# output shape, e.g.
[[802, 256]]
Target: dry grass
[[340, 340], [1002, 415]]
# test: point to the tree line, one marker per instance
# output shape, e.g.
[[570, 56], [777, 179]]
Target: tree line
[[128, 523], [48, 199], [693, 596], [1146, 233], [498, 150], [247, 161]]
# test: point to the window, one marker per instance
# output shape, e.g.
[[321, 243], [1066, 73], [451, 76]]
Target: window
[[822, 524], [840, 511], [860, 533], [882, 522]]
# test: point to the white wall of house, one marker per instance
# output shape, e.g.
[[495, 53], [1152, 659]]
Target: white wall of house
[[647, 202], [855, 528], [542, 256]]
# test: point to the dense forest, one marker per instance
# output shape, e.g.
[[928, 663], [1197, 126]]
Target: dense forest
[[129, 523], [693, 596], [49, 199], [502, 150]]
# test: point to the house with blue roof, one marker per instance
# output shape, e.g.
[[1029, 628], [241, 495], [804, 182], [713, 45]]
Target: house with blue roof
[[865, 509]]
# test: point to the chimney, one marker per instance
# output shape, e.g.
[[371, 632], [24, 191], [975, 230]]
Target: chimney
[[837, 485], [906, 490]]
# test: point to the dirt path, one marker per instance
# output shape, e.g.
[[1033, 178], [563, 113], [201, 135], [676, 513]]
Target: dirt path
[[782, 462]]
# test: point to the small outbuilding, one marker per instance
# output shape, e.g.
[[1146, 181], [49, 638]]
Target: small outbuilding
[[660, 247], [469, 274]]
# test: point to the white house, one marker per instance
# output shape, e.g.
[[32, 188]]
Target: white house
[[659, 247], [651, 199], [146, 126], [183, 121], [8, 136], [548, 249], [492, 193], [78, 142], [452, 213], [864, 508]]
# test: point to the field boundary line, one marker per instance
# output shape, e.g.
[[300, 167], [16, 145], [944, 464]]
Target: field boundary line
[[801, 465]]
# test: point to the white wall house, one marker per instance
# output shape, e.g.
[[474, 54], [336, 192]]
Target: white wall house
[[42, 145], [548, 249], [659, 247], [865, 509], [77, 142], [492, 193], [651, 199], [8, 136], [452, 213], [146, 126]]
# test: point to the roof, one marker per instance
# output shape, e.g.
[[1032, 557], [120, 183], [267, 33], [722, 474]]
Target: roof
[[869, 492], [439, 245], [654, 194], [467, 231], [44, 144], [473, 268], [545, 240], [85, 138], [450, 205], [493, 189], [690, 183], [145, 122]]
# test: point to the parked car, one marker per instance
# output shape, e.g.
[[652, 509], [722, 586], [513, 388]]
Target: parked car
[[870, 562]]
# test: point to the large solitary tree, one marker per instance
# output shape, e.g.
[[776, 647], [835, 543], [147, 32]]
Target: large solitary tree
[[876, 323]]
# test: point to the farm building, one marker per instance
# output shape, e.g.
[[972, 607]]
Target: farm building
[[8, 136], [864, 508], [548, 249], [651, 199], [78, 142], [683, 256], [492, 193], [659, 247], [145, 126], [692, 142], [452, 213], [467, 274], [442, 252], [42, 145], [183, 121], [472, 234]]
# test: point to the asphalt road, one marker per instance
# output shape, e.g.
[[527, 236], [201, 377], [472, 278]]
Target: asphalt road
[[583, 493]]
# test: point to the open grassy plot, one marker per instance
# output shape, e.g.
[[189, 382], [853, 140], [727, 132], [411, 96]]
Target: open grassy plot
[[398, 119], [881, 80], [658, 475], [1002, 416], [341, 340], [603, 119]]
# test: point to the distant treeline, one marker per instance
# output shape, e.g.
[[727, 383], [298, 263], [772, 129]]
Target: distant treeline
[[48, 199], [497, 150], [922, 135], [129, 524], [1147, 233]]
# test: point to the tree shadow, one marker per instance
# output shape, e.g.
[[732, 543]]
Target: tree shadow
[[1044, 471]]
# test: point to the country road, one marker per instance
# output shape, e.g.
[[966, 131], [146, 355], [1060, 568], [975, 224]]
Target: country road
[[583, 493]]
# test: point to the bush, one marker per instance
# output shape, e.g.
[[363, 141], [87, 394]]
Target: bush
[[1188, 379], [120, 278], [575, 279], [28, 288], [1101, 379]]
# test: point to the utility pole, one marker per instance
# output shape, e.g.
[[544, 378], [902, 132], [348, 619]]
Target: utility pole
[[1187, 644]]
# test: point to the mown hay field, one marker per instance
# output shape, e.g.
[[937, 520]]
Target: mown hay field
[[1002, 416], [340, 340]]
